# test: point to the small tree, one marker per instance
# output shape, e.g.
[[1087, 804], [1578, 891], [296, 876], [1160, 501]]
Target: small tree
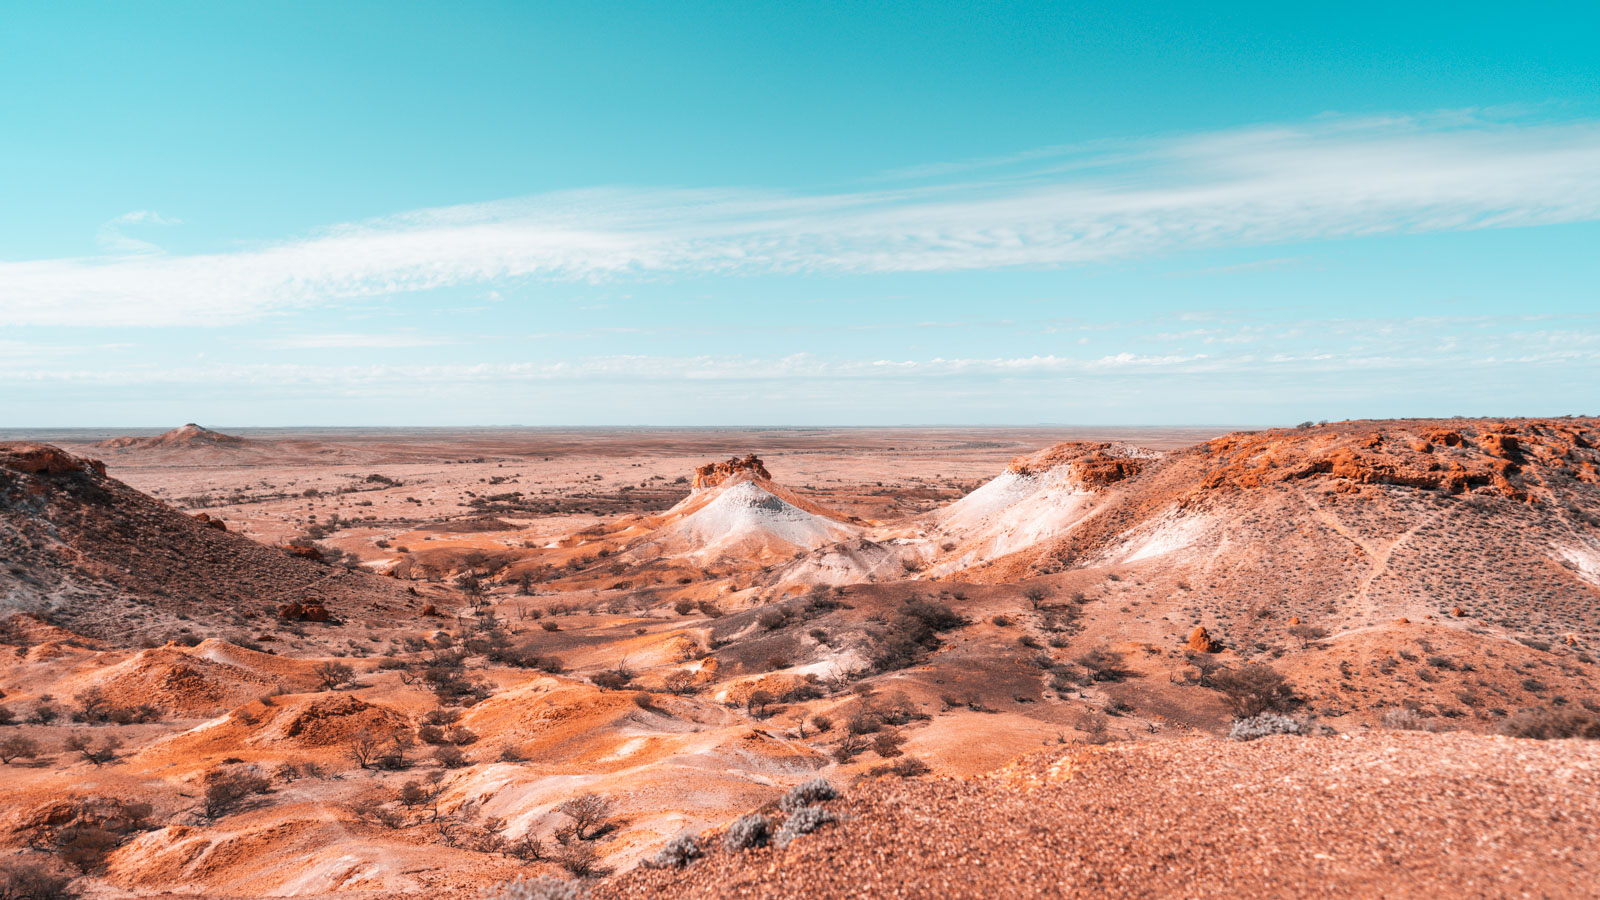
[[364, 747], [99, 755], [680, 681], [18, 747], [333, 675], [588, 813], [1254, 689], [227, 788], [758, 701]]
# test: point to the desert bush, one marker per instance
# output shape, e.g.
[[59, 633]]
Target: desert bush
[[225, 789], [680, 681], [808, 793], [333, 675], [104, 752], [589, 814], [31, 881], [1103, 664], [545, 887], [580, 859], [85, 847], [748, 832], [450, 756], [1553, 724], [821, 723], [1095, 727], [611, 679], [887, 743], [1254, 689], [905, 767], [7, 716], [1403, 718], [758, 702], [18, 747], [678, 852], [804, 820], [1264, 725]]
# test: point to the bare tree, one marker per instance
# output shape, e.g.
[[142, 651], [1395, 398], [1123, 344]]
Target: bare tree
[[18, 747], [588, 813], [333, 675], [365, 747]]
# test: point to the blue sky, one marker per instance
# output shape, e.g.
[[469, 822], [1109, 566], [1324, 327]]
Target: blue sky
[[747, 213]]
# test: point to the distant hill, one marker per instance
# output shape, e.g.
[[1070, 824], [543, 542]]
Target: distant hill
[[190, 435], [99, 556]]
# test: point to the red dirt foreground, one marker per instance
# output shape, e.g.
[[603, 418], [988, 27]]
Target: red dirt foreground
[[1393, 815]]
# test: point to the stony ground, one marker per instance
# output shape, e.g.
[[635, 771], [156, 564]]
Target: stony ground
[[1394, 815]]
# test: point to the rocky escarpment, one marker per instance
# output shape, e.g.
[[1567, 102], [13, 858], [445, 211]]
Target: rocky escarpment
[[1519, 460], [1094, 464], [713, 474]]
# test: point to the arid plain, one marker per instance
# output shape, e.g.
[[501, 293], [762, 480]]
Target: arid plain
[[1349, 658]]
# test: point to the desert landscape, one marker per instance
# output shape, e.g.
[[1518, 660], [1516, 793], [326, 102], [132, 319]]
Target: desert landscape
[[799, 451], [1333, 660]]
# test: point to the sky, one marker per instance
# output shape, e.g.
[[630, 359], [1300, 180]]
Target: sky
[[323, 214]]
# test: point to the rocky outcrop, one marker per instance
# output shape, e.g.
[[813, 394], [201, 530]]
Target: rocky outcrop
[[307, 611], [1511, 459], [713, 474], [1095, 464], [42, 459], [1201, 641]]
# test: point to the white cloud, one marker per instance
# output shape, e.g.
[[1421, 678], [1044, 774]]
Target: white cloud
[[1333, 178], [115, 240], [354, 341]]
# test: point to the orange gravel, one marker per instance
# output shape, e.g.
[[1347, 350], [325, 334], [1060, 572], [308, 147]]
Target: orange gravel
[[1393, 815]]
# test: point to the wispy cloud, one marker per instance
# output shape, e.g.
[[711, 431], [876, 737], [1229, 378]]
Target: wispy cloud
[[1332, 178], [114, 238], [354, 341]]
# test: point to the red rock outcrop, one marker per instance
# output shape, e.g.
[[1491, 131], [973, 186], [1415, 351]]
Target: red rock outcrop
[[1201, 641], [43, 459], [307, 611], [713, 474], [1497, 455], [1096, 464]]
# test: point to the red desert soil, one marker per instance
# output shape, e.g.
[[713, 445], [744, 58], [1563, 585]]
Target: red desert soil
[[229, 659], [1370, 815]]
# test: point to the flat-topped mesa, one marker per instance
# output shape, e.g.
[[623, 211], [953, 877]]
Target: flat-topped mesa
[[1095, 464], [713, 474]]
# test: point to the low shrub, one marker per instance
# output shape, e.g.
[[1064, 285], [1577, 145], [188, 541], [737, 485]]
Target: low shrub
[[808, 793], [1264, 725], [1553, 724], [545, 887], [678, 852], [804, 820], [748, 832]]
